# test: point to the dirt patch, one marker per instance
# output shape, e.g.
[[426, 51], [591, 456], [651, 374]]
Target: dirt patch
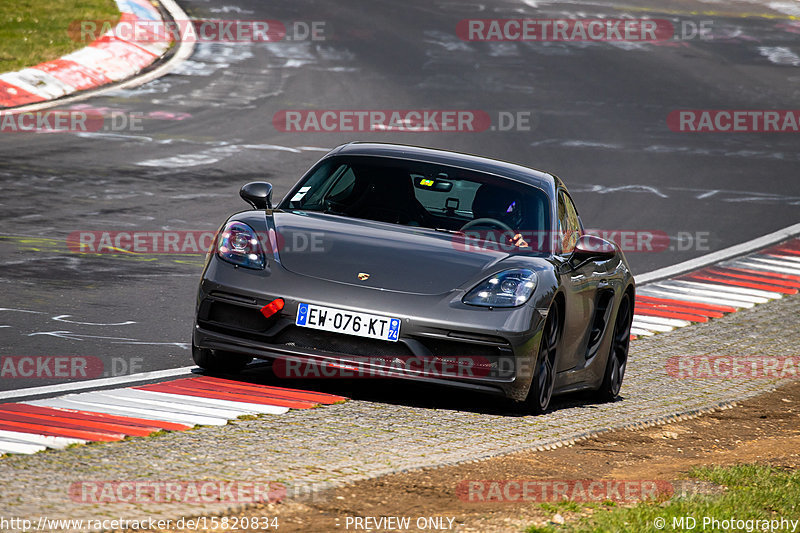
[[763, 430]]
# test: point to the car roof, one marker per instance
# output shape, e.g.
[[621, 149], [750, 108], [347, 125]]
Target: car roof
[[530, 176]]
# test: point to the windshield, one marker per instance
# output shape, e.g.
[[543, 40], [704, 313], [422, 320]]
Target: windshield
[[422, 194]]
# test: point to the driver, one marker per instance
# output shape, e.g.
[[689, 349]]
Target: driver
[[502, 205]]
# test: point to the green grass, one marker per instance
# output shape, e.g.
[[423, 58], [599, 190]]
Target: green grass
[[32, 31], [752, 492]]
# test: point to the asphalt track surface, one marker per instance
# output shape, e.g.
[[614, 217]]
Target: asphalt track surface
[[598, 113]]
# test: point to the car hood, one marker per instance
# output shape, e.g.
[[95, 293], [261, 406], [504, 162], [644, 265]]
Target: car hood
[[397, 258]]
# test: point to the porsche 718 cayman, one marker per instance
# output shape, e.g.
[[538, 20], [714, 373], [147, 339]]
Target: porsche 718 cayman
[[424, 264]]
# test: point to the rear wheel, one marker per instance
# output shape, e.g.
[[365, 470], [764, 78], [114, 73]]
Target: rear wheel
[[618, 354], [544, 378], [218, 361]]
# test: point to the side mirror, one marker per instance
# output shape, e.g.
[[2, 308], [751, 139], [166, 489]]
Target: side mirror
[[593, 246], [258, 194]]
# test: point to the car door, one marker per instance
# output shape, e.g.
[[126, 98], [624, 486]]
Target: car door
[[580, 283]]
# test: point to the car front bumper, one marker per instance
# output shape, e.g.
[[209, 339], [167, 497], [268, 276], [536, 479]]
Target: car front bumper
[[441, 339]]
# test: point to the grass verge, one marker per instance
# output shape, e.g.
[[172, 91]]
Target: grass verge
[[753, 494], [32, 31]]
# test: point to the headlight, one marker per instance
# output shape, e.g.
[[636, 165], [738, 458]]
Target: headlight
[[509, 288], [239, 244]]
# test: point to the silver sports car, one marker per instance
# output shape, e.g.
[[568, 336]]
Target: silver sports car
[[405, 262]]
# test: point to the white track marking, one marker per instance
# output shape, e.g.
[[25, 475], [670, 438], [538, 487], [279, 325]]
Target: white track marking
[[776, 262], [252, 408], [791, 258], [102, 382], [746, 263], [44, 440], [63, 318], [642, 332], [149, 414], [644, 317], [726, 288], [721, 255], [20, 447], [107, 398], [779, 261], [779, 55], [70, 336], [676, 295], [689, 291], [652, 327], [602, 189], [138, 399], [34, 446], [38, 82], [658, 320]]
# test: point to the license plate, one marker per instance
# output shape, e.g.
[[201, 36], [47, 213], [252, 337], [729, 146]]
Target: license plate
[[348, 322]]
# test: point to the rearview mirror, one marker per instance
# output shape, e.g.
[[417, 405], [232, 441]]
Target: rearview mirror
[[593, 246], [433, 184], [258, 194]]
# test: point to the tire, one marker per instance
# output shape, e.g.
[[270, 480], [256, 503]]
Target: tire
[[544, 377], [618, 352], [216, 361]]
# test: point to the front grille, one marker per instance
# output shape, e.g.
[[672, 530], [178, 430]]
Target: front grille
[[447, 358], [237, 316], [497, 361], [339, 343], [448, 348]]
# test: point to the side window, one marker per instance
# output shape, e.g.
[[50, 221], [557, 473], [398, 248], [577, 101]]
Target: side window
[[569, 225], [343, 186], [322, 185]]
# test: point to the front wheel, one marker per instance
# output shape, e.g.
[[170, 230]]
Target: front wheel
[[618, 354], [544, 378], [217, 361]]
